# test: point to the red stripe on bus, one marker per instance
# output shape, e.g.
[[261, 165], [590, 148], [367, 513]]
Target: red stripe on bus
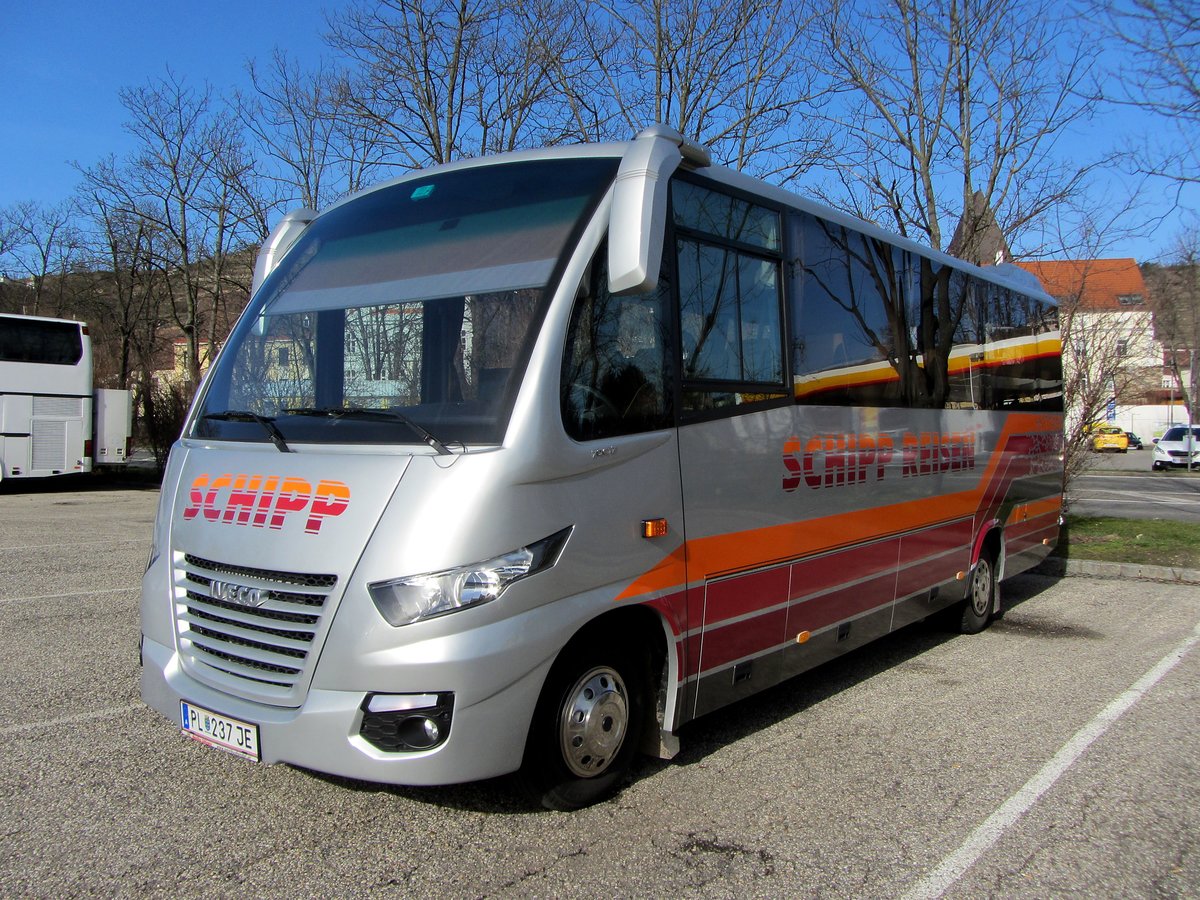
[[745, 594], [837, 606], [937, 540], [810, 576], [727, 643]]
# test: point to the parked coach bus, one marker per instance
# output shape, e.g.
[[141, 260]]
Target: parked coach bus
[[522, 463], [51, 421]]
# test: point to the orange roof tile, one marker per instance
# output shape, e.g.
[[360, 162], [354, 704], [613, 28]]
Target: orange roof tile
[[1098, 283]]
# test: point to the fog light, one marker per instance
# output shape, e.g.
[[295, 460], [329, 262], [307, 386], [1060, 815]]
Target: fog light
[[419, 732], [406, 723]]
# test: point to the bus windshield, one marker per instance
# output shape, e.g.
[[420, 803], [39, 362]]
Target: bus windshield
[[405, 315]]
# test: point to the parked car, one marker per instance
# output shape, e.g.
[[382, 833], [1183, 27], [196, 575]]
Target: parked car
[[1109, 439], [1174, 450], [1135, 442]]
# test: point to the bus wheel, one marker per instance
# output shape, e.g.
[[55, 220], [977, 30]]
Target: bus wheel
[[981, 596], [586, 727]]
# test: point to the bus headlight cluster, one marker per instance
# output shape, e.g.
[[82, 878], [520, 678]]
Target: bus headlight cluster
[[402, 601]]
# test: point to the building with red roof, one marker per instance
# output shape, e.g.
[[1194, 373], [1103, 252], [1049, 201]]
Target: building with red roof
[[1109, 342]]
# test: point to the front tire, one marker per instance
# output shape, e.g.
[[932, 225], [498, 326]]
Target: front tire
[[587, 725]]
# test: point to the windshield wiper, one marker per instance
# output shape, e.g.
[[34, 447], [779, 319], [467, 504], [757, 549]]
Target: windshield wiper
[[359, 412], [241, 415]]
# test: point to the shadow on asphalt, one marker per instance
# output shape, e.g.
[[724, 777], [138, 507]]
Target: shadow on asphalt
[[740, 721], [133, 477]]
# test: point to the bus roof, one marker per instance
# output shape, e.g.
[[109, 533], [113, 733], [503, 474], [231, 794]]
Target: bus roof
[[1006, 275], [25, 318]]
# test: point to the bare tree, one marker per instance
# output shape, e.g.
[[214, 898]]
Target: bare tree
[[1175, 295], [128, 297], [1159, 74], [43, 247], [190, 178], [733, 75], [312, 149], [8, 235], [1104, 353], [1093, 375], [944, 99], [438, 80]]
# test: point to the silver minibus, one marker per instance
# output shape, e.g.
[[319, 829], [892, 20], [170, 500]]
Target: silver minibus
[[519, 464]]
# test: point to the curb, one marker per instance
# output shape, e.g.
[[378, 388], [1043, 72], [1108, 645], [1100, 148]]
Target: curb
[[1058, 567]]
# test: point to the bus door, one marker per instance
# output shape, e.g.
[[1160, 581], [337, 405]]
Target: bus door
[[617, 396], [735, 417]]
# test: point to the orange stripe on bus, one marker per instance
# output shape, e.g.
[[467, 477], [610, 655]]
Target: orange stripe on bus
[[730, 553]]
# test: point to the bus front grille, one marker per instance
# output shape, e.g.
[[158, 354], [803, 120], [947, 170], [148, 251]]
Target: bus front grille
[[249, 631]]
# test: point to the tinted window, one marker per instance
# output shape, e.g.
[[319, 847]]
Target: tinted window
[[879, 326], [1179, 434], [1021, 366], [418, 301], [614, 375], [849, 330], [50, 343], [730, 291], [700, 209]]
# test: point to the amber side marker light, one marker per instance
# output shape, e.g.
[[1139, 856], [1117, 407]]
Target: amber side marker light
[[654, 528]]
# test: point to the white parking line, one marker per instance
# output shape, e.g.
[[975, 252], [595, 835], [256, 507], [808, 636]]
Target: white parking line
[[954, 866], [6, 730], [86, 593]]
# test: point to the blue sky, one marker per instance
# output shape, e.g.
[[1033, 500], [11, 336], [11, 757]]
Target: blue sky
[[64, 61], [60, 74]]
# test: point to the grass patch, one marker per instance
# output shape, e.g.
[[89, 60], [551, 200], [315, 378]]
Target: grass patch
[[1151, 542]]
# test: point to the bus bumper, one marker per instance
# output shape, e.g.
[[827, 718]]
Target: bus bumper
[[486, 739]]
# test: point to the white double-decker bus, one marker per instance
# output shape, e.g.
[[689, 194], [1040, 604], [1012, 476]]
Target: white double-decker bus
[[522, 463], [45, 397]]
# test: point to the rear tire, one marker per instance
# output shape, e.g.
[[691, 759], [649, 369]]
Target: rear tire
[[588, 723], [976, 610]]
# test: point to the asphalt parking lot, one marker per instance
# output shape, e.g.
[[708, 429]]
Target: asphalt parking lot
[[1055, 754]]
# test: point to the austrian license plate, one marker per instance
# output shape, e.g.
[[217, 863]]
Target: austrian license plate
[[216, 730]]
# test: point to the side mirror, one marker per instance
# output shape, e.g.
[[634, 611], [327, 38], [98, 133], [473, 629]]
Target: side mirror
[[637, 220], [278, 242]]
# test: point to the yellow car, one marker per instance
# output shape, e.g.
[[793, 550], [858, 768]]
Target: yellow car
[[1109, 438]]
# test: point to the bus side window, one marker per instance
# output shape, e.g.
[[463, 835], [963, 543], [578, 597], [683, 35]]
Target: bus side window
[[728, 266], [615, 362]]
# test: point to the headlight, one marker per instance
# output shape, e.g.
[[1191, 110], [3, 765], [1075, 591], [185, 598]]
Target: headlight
[[402, 601]]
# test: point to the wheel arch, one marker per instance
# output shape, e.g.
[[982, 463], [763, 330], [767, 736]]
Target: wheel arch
[[990, 540], [640, 622], [621, 645]]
